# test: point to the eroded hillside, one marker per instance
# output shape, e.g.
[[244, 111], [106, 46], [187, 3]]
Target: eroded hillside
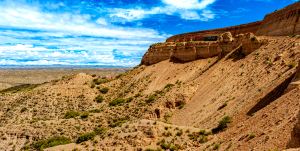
[[167, 105]]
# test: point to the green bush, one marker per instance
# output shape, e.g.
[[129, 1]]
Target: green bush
[[252, 135], [292, 36], [179, 133], [181, 106], [84, 114], [222, 124], [116, 101], [24, 109], [253, 38], [104, 90], [99, 131], [85, 136], [54, 141], [129, 99], [137, 95], [151, 99], [165, 146], [93, 86], [292, 64], [279, 74], [270, 63], [149, 149], [217, 146], [203, 139], [95, 111], [169, 85], [118, 124], [99, 99], [173, 148], [94, 75], [71, 114]]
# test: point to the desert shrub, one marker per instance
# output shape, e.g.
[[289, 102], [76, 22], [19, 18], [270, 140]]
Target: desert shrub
[[151, 99], [222, 124], [99, 131], [173, 148], [95, 111], [292, 36], [279, 74], [222, 106], [116, 101], [94, 75], [270, 63], [203, 139], [54, 141], [252, 135], [159, 149], [181, 106], [268, 58], [253, 38], [165, 146], [104, 90], [202, 132], [168, 134], [137, 95], [292, 64], [169, 85], [24, 109], [93, 85], [98, 82], [149, 149], [118, 124], [85, 136], [229, 145], [129, 99], [71, 114], [217, 146], [99, 99], [84, 114], [179, 133]]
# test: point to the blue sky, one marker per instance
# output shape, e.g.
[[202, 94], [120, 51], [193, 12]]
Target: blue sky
[[110, 32]]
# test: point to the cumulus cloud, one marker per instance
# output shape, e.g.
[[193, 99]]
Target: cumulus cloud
[[189, 4], [30, 35], [186, 9]]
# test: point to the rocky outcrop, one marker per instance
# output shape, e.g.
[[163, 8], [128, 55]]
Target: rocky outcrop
[[189, 51], [282, 22], [199, 35]]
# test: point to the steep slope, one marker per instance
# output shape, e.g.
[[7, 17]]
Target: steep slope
[[170, 104]]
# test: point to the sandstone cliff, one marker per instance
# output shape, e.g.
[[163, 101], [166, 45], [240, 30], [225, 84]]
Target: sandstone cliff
[[189, 51]]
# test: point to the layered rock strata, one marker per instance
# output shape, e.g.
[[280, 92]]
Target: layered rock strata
[[199, 35], [189, 51], [282, 22]]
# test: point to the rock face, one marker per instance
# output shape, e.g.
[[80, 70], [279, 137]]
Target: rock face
[[199, 35], [189, 51], [281, 22]]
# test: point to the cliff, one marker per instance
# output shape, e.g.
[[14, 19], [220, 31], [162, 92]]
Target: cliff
[[189, 46], [189, 51], [199, 35], [281, 22]]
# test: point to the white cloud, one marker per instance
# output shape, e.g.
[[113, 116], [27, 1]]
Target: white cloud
[[189, 4], [101, 21], [187, 9], [190, 15], [44, 38]]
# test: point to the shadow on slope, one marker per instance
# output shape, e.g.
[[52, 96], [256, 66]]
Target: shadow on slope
[[271, 96]]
